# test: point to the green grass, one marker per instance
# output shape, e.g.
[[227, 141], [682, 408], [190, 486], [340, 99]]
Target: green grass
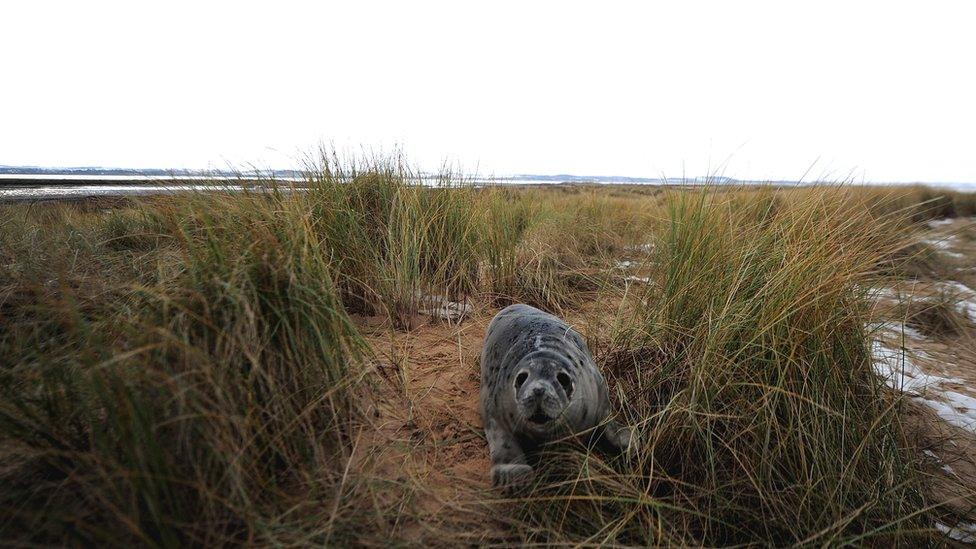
[[199, 401], [189, 369], [390, 242]]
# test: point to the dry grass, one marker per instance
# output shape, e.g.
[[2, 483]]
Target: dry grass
[[189, 369], [746, 366], [937, 315]]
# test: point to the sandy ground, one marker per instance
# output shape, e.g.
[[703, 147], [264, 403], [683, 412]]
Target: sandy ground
[[429, 426], [428, 423], [938, 371]]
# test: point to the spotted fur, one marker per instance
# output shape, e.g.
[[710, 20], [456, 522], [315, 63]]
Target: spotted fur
[[538, 383]]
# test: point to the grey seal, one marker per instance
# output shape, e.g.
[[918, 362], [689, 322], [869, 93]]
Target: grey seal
[[539, 382]]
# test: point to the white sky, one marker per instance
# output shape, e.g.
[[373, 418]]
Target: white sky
[[877, 91]]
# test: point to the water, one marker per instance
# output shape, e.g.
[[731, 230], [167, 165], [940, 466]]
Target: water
[[47, 187], [18, 187]]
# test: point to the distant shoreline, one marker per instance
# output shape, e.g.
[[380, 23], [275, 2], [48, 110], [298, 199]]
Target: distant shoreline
[[80, 184], [25, 176]]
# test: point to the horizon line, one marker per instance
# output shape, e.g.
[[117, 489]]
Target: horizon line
[[21, 170]]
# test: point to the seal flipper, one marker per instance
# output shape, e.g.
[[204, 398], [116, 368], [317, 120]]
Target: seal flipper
[[617, 438], [512, 475], [508, 466]]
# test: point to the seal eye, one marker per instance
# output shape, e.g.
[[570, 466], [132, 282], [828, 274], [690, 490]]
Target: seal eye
[[520, 379], [567, 383]]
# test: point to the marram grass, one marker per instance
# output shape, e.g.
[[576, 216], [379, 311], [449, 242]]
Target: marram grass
[[187, 369], [746, 368]]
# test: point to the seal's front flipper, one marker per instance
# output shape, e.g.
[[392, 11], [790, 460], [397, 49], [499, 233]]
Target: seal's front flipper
[[618, 438], [512, 475], [508, 466]]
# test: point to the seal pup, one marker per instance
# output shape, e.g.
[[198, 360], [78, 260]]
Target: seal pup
[[539, 383]]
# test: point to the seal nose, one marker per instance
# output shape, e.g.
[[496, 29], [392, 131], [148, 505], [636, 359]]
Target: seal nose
[[538, 391]]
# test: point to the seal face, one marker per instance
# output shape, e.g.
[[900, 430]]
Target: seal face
[[538, 383]]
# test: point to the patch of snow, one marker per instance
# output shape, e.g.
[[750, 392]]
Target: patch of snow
[[626, 264], [964, 406], [968, 308], [641, 247], [640, 279], [939, 222], [439, 306], [877, 326], [887, 293], [960, 416], [897, 329], [945, 467], [964, 532], [957, 287], [901, 373], [943, 243], [451, 311]]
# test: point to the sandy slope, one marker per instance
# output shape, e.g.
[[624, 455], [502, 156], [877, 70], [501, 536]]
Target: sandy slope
[[938, 371]]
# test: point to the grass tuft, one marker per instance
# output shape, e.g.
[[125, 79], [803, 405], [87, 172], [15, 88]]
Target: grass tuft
[[745, 368]]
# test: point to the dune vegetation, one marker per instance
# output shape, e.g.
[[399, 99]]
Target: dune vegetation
[[247, 367]]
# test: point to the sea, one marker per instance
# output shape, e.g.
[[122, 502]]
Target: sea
[[32, 186]]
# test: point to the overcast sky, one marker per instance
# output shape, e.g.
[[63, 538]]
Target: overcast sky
[[873, 91]]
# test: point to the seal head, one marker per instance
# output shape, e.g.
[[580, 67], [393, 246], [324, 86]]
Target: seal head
[[542, 389]]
